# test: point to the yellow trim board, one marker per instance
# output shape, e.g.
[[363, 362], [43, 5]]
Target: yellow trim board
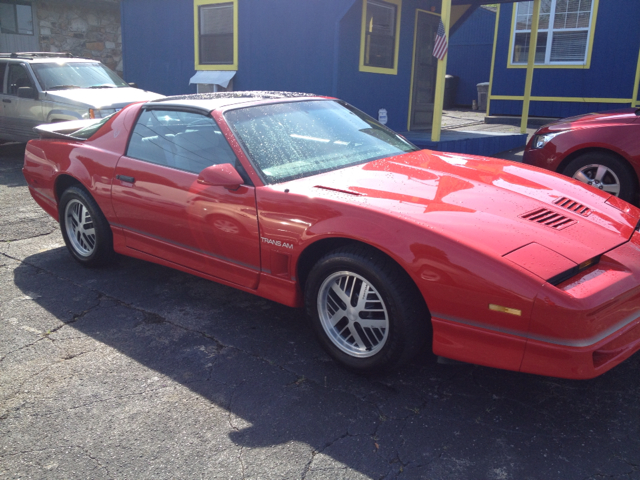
[[196, 32], [493, 58], [636, 86], [438, 101], [413, 62], [583, 66], [563, 99], [363, 29]]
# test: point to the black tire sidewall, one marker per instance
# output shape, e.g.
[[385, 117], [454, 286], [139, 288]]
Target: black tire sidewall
[[392, 352], [624, 172], [104, 240]]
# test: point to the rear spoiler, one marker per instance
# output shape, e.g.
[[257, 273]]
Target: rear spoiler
[[64, 130]]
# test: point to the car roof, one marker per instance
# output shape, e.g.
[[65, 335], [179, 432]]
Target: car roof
[[212, 101]]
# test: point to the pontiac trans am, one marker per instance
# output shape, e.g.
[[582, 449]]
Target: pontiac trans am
[[307, 201]]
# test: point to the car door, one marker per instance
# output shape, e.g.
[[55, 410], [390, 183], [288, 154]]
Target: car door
[[166, 213], [20, 114]]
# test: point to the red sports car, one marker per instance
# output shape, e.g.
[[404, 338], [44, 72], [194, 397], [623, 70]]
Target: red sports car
[[599, 149], [307, 201]]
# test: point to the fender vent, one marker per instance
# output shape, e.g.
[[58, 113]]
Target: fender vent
[[549, 218], [573, 206]]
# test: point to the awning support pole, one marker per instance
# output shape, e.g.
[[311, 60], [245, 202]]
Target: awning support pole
[[533, 45], [438, 101]]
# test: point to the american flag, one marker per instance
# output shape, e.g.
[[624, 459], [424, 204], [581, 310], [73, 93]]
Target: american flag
[[440, 48]]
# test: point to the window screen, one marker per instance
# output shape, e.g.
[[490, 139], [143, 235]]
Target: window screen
[[380, 34], [216, 33], [563, 32]]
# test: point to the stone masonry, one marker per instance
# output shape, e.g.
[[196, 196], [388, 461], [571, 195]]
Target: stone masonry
[[88, 29]]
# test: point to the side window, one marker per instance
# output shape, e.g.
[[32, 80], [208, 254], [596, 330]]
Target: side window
[[18, 77], [183, 140]]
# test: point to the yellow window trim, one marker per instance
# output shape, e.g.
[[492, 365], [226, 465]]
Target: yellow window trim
[[564, 99], [196, 30], [413, 61], [585, 66], [363, 67]]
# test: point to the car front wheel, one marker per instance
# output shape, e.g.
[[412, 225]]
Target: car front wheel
[[605, 172], [365, 310], [85, 229]]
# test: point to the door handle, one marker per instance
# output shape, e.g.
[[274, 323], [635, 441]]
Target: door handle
[[124, 178], [6, 100]]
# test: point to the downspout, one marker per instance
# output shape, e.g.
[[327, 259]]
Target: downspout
[[336, 46], [533, 45], [438, 101]]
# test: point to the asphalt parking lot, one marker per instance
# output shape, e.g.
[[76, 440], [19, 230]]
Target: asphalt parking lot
[[137, 371]]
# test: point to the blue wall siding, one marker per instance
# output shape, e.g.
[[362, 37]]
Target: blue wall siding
[[470, 52], [611, 75], [309, 46], [157, 39]]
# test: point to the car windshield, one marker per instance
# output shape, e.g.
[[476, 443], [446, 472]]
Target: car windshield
[[292, 140], [63, 75]]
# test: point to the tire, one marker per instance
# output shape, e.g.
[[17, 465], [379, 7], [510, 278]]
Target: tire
[[604, 171], [85, 229], [398, 318]]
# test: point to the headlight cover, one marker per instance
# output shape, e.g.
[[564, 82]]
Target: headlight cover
[[539, 141]]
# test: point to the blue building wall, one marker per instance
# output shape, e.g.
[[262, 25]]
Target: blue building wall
[[611, 74], [298, 45], [157, 40], [470, 51]]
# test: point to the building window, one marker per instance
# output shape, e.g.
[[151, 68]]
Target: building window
[[16, 18], [564, 31], [216, 34], [380, 35]]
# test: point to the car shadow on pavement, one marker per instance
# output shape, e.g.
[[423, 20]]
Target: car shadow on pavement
[[256, 363]]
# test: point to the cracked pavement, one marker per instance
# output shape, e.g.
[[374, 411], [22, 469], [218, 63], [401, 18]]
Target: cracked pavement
[[137, 371]]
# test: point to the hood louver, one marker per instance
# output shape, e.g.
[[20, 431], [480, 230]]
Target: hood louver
[[573, 206], [549, 218]]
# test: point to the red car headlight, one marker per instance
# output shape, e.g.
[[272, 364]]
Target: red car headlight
[[539, 141]]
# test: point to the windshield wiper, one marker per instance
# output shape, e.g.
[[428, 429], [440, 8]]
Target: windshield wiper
[[63, 87], [103, 86]]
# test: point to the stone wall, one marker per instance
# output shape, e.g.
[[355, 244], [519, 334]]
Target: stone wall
[[88, 29]]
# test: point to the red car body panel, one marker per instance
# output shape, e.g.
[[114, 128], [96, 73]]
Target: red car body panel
[[460, 226], [617, 132]]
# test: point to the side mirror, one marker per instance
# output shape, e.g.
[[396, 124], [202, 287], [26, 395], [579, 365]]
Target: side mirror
[[27, 92], [133, 84], [223, 175]]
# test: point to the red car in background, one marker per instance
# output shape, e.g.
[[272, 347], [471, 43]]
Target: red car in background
[[307, 201], [599, 149]]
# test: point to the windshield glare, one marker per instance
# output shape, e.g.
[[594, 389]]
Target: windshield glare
[[60, 76], [292, 140]]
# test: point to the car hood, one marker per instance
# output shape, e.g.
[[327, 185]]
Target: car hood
[[102, 97], [623, 116], [489, 204]]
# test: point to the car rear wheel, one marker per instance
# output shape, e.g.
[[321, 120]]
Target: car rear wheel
[[365, 310], [605, 172], [85, 229]]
